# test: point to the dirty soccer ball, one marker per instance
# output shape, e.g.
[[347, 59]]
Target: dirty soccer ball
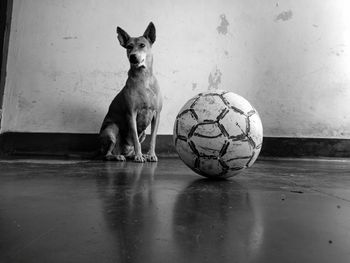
[[218, 134]]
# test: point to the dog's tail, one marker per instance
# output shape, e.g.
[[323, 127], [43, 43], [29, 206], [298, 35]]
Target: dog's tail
[[142, 136]]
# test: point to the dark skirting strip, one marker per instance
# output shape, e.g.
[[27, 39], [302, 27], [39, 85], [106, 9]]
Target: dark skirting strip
[[86, 145]]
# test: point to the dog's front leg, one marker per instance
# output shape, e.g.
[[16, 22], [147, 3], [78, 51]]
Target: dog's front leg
[[137, 145], [151, 155]]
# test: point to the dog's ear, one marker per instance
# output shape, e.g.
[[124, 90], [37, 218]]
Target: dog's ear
[[150, 33], [123, 37]]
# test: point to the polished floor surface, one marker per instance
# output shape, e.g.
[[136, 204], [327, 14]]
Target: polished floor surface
[[75, 211]]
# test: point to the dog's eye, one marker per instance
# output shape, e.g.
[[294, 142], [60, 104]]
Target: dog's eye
[[142, 45], [129, 47]]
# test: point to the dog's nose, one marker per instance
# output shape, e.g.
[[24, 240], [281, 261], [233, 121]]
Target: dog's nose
[[133, 59]]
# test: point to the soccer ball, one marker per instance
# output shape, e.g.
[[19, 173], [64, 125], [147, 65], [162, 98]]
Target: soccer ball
[[218, 134]]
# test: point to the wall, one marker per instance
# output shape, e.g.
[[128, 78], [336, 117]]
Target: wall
[[290, 59]]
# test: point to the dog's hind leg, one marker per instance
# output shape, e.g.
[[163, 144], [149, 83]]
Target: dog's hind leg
[[142, 136], [110, 143]]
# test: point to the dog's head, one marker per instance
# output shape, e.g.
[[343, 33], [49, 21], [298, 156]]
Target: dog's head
[[138, 49]]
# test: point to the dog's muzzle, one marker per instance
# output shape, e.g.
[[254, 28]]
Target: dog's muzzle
[[133, 59], [136, 61]]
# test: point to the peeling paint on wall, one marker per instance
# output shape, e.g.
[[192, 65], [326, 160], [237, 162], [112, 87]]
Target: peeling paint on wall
[[222, 28], [284, 16], [337, 52], [214, 79], [68, 38], [24, 104]]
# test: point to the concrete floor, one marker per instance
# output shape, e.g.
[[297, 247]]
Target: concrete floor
[[70, 211]]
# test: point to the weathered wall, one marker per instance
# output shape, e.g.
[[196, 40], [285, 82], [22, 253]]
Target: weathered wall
[[290, 59]]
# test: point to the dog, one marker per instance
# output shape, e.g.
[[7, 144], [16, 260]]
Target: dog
[[136, 106]]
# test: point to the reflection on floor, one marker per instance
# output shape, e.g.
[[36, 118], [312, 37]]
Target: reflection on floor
[[70, 211]]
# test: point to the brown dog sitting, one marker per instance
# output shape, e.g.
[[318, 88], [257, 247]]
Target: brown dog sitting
[[136, 106]]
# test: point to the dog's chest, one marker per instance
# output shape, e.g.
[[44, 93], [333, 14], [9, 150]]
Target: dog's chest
[[146, 108], [146, 95], [142, 92]]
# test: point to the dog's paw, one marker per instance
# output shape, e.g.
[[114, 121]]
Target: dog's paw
[[139, 158], [112, 157], [109, 157], [151, 158], [120, 158]]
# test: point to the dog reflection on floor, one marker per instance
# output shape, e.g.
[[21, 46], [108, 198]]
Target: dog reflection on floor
[[129, 207]]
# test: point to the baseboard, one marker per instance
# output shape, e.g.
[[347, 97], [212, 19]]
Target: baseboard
[[71, 144], [305, 147], [66, 144], [51, 144]]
